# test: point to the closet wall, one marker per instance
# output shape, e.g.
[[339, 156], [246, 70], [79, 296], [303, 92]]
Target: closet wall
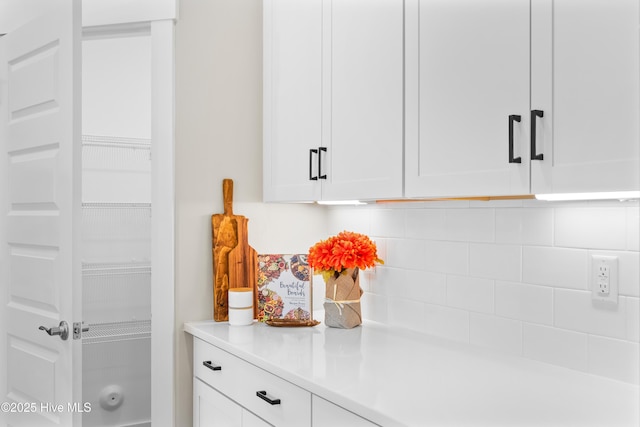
[[116, 227]]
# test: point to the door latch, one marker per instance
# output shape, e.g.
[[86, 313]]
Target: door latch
[[78, 329]]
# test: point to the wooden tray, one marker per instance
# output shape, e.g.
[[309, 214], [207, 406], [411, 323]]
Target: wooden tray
[[291, 322]]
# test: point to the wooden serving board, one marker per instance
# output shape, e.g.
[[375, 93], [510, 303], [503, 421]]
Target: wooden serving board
[[234, 261], [243, 263]]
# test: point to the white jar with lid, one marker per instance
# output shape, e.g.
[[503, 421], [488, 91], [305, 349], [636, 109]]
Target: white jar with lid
[[240, 306]]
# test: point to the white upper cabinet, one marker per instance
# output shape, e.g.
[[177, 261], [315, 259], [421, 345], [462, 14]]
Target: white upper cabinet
[[363, 84], [467, 73], [477, 98], [292, 98], [585, 78], [333, 99], [471, 68]]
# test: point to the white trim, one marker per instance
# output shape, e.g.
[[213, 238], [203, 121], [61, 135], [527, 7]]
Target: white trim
[[141, 29], [106, 12], [163, 224], [4, 248]]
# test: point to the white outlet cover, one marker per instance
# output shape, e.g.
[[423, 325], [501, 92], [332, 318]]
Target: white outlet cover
[[611, 262]]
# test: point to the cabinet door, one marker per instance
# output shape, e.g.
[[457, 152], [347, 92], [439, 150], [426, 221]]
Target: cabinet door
[[585, 68], [213, 409], [363, 99], [250, 420], [326, 414], [467, 72], [292, 98]]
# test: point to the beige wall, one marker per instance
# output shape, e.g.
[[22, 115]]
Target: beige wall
[[219, 135]]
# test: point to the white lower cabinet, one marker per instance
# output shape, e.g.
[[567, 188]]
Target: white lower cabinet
[[326, 414], [213, 409], [231, 392], [250, 396]]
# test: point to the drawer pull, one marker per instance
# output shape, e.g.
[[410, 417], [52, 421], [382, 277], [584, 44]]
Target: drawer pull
[[263, 395], [211, 366]]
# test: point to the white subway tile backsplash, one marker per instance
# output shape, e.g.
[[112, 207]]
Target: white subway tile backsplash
[[556, 346], [374, 307], [470, 225], [404, 253], [633, 229], [446, 322], [512, 276], [537, 227], [406, 313], [381, 247], [446, 257], [633, 319], [351, 219], [387, 222], [509, 226], [603, 228], [470, 293], [497, 333], [387, 280], [426, 223], [558, 267], [426, 287], [574, 310], [500, 262], [529, 226], [629, 273], [524, 302], [614, 359]]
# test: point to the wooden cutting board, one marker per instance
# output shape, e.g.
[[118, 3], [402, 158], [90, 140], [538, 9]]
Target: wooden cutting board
[[235, 263], [243, 263]]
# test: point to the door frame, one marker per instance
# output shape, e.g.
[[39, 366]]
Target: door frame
[[161, 35], [163, 220]]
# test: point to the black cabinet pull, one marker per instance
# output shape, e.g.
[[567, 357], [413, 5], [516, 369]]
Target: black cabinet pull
[[534, 114], [263, 395], [513, 118], [211, 366], [320, 162], [311, 177]]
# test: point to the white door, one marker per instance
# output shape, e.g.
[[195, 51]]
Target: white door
[[363, 77], [292, 99], [467, 73], [584, 77], [40, 136]]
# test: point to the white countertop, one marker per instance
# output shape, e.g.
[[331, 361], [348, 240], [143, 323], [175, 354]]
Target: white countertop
[[399, 378]]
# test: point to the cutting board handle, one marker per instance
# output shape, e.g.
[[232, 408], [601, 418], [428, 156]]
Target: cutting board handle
[[227, 195]]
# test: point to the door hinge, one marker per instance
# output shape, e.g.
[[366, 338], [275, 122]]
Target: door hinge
[[78, 329]]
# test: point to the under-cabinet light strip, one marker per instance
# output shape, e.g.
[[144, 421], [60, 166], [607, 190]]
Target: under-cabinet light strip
[[611, 195]]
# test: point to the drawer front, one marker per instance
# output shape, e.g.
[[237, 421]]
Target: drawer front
[[216, 367], [283, 404], [290, 405]]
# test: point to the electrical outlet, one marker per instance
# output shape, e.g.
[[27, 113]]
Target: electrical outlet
[[604, 278]]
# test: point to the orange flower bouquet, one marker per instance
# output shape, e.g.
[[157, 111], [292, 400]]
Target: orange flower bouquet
[[339, 259]]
